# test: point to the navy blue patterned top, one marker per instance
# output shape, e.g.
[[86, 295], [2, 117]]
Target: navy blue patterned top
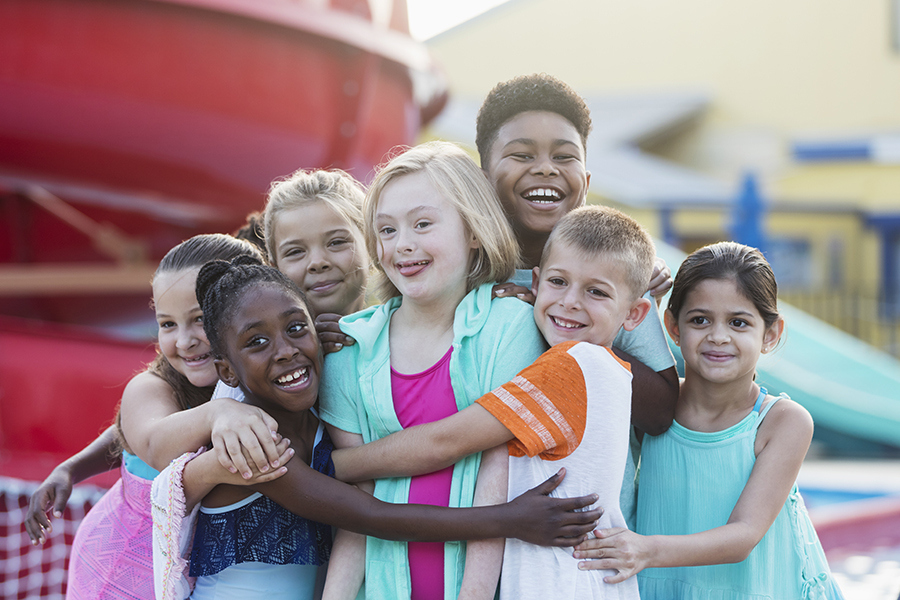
[[263, 531]]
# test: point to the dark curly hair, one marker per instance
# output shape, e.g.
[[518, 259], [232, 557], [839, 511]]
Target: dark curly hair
[[528, 92], [221, 284]]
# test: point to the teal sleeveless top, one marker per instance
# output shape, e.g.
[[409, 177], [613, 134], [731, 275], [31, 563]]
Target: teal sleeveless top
[[137, 467], [690, 482]]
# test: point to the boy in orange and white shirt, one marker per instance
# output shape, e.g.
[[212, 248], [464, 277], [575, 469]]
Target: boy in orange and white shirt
[[570, 407]]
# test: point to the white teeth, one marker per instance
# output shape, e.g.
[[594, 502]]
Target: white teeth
[[541, 192], [565, 324], [292, 376]]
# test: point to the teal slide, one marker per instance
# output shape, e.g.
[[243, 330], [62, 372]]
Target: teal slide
[[847, 385]]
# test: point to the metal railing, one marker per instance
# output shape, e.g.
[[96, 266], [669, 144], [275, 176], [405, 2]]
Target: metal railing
[[861, 313]]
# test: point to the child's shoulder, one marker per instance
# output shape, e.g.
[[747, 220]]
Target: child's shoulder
[[785, 419], [147, 381], [581, 350]]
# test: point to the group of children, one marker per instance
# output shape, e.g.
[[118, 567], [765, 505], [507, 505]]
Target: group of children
[[478, 456]]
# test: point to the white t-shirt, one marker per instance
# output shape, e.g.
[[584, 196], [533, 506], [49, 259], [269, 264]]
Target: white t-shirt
[[572, 409]]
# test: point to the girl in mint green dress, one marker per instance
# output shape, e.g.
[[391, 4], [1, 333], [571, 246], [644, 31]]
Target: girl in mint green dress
[[719, 514]]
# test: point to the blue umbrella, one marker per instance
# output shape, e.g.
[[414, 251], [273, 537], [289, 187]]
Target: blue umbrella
[[747, 215]]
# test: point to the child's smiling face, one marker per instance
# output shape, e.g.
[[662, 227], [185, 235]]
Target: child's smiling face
[[584, 298], [272, 349], [181, 337], [536, 166], [324, 255], [721, 333], [424, 246]]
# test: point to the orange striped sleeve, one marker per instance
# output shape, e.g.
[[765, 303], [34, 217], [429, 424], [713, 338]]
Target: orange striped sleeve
[[545, 406]]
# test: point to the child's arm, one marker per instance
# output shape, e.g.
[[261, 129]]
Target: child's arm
[[533, 517], [781, 445], [347, 566], [424, 448], [97, 457], [535, 411], [485, 557], [203, 473], [653, 395], [158, 431]]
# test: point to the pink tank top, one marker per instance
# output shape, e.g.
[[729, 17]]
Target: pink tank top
[[422, 398]]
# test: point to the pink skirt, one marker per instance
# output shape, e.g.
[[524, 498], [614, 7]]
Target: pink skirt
[[112, 554]]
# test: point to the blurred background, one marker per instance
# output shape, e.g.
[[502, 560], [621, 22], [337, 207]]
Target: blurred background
[[128, 126]]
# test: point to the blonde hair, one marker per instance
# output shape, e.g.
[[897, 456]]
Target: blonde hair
[[601, 230], [459, 181], [343, 194]]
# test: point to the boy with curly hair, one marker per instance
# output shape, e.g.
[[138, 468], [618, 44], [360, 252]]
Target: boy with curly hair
[[531, 133]]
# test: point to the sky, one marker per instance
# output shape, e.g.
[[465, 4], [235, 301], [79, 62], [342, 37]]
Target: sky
[[428, 18]]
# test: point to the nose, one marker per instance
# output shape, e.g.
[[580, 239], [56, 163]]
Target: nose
[[284, 348], [318, 261], [719, 334], [544, 165], [187, 338], [405, 240], [570, 298]]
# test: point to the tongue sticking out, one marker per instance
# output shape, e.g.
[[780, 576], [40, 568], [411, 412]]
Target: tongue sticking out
[[412, 268]]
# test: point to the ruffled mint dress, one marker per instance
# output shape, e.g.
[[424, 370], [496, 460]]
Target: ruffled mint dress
[[690, 482]]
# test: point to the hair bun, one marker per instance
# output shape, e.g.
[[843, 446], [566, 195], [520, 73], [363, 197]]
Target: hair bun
[[209, 274]]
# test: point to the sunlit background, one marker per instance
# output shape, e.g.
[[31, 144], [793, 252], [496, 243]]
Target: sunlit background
[[428, 18]]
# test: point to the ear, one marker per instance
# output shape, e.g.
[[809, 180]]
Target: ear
[[640, 308], [772, 335], [587, 183], [226, 374], [535, 280], [672, 326]]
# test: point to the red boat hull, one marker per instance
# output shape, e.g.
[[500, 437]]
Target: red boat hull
[[168, 118], [164, 119]]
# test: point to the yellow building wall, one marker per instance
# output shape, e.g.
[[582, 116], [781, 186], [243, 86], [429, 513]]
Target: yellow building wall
[[789, 66]]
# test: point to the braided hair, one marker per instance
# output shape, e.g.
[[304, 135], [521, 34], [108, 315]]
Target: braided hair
[[221, 284]]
